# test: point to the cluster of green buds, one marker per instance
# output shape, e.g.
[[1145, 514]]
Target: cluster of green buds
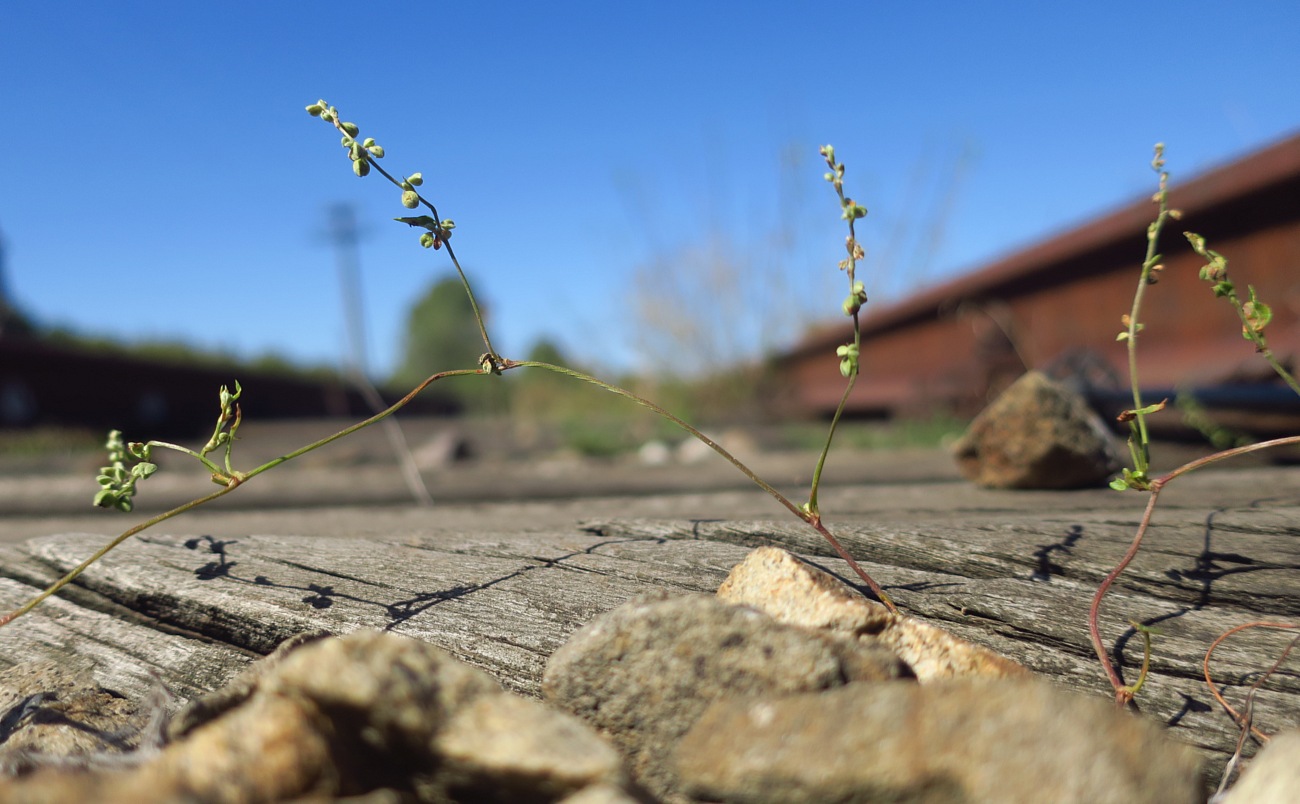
[[437, 231], [228, 420], [410, 198], [1255, 314], [1216, 268], [848, 355], [118, 480], [856, 298], [359, 151], [850, 210], [1129, 329]]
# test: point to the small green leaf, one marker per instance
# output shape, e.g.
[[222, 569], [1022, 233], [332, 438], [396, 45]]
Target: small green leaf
[[426, 221], [1149, 409]]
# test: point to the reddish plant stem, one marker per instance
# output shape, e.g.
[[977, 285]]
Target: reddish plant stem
[[1242, 720], [1123, 693]]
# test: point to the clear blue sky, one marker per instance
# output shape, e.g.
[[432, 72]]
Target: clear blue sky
[[162, 179]]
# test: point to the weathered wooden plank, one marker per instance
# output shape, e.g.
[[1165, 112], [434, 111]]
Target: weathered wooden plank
[[505, 600], [1242, 556], [503, 605], [127, 657]]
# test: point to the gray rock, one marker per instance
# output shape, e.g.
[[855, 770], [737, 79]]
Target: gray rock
[[370, 715], [1037, 435], [644, 672], [1272, 776], [979, 740]]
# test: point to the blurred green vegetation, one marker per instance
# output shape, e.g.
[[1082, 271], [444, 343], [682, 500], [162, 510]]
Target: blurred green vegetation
[[932, 431], [440, 335], [183, 353], [49, 441]]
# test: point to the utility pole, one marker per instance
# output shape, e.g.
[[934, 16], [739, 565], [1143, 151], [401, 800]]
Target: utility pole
[[343, 233]]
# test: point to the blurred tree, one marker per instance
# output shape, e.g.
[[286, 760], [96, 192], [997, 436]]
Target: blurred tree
[[441, 335]]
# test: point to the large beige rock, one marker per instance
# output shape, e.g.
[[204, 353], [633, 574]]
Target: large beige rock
[[1037, 434], [794, 592], [1272, 776], [1003, 741]]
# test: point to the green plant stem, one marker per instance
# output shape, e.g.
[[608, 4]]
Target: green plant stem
[[464, 280], [211, 467], [1123, 693], [830, 436], [1143, 449], [80, 568], [1261, 345], [380, 416], [1142, 459], [811, 517], [230, 482], [1143, 674]]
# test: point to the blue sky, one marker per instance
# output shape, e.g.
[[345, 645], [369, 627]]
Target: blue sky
[[163, 181]]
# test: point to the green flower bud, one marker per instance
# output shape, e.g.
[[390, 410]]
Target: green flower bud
[[315, 109], [427, 240], [367, 142], [416, 179], [410, 199], [347, 142], [351, 129], [377, 151], [447, 223], [361, 167]]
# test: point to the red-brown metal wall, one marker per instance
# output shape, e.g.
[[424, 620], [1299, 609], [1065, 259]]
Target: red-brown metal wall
[[956, 345]]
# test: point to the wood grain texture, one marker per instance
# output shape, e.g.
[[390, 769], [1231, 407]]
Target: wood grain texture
[[1017, 583], [1023, 588]]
